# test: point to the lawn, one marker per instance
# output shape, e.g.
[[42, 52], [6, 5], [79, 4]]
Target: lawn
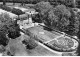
[[43, 35]]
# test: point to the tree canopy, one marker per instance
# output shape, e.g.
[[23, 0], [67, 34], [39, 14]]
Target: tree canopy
[[8, 28], [60, 17]]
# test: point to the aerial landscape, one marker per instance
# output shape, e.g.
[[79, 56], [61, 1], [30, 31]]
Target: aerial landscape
[[39, 28]]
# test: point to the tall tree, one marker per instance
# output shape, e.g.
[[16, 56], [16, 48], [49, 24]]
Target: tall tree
[[8, 28], [42, 8], [4, 2]]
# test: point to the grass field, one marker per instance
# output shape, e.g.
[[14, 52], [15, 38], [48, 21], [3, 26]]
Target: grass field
[[43, 35]]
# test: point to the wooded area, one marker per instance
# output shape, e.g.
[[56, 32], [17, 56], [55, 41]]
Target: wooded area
[[71, 3]]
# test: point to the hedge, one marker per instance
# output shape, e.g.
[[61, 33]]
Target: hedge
[[17, 11], [14, 10], [5, 8]]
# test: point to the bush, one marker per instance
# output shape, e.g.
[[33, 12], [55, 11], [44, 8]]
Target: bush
[[30, 44], [17, 11], [2, 49], [4, 7], [3, 39]]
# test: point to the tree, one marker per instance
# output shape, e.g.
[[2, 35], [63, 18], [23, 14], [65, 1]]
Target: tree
[[76, 23], [17, 12], [30, 43], [4, 7], [58, 18], [4, 2], [62, 10], [42, 8], [13, 2], [22, 2], [8, 26]]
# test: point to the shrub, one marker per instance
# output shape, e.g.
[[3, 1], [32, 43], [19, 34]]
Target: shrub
[[17, 11], [30, 43], [4, 7]]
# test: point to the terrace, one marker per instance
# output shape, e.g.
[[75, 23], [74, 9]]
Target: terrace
[[45, 37]]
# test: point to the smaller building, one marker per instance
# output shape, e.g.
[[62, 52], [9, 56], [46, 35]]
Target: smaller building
[[26, 19]]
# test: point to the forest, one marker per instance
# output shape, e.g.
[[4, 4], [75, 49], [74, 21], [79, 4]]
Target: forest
[[52, 2]]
